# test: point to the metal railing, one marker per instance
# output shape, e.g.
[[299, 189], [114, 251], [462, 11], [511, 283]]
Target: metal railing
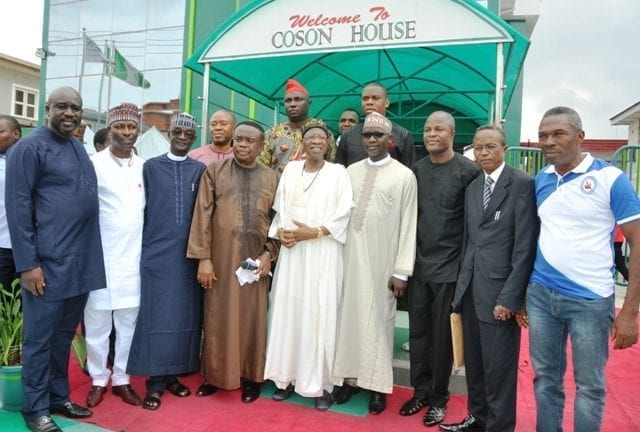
[[627, 159], [527, 159]]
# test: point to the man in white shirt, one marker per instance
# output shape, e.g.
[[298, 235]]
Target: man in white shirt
[[122, 201]]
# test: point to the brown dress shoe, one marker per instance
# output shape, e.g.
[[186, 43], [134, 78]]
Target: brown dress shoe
[[95, 396], [127, 394]]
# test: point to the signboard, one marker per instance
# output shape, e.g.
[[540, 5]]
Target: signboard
[[288, 27]]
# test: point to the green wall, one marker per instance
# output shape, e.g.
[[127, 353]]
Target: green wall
[[201, 19]]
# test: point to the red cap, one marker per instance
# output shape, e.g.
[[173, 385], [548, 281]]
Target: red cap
[[293, 85]]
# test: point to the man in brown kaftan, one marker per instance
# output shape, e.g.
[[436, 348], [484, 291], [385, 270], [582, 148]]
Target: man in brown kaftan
[[230, 224]]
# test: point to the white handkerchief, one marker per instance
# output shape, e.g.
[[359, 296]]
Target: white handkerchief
[[248, 275]]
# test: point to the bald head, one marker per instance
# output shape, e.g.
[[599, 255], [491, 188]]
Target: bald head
[[443, 117], [64, 111], [63, 91], [221, 127], [438, 133]]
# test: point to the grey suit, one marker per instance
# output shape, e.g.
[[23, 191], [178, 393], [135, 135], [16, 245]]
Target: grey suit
[[498, 253]]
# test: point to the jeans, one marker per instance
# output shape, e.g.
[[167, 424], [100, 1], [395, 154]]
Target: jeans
[[552, 318]]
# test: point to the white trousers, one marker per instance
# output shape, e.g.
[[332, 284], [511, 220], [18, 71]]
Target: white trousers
[[98, 324]]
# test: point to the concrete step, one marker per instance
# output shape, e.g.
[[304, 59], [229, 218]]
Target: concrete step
[[401, 377]]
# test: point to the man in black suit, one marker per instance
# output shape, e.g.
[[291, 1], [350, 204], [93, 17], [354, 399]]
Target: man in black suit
[[500, 234]]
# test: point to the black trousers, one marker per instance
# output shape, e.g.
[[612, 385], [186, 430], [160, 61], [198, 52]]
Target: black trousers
[[430, 354], [491, 353], [160, 382]]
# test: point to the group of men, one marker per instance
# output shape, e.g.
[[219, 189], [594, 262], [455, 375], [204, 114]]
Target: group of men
[[129, 244]]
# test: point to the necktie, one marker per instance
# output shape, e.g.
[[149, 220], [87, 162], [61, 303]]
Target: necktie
[[486, 195]]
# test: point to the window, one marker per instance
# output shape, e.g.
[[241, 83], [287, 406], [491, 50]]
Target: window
[[25, 102]]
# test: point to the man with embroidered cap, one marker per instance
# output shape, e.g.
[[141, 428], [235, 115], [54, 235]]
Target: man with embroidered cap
[[52, 212], [379, 258], [401, 146], [122, 200], [283, 142], [221, 127], [166, 342], [571, 290]]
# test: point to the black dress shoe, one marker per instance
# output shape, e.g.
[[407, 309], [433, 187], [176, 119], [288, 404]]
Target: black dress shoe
[[285, 394], [206, 389], [179, 390], [71, 410], [43, 424], [434, 415], [377, 403], [469, 424], [250, 391], [343, 394], [324, 402]]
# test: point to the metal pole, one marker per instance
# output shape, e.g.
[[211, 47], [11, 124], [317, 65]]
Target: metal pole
[[104, 66], [111, 66], [205, 103], [498, 120], [84, 53], [276, 107]]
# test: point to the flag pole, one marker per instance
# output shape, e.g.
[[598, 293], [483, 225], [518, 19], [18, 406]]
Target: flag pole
[[84, 53], [111, 67], [104, 66]]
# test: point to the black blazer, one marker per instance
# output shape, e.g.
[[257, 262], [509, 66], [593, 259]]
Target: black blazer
[[499, 244]]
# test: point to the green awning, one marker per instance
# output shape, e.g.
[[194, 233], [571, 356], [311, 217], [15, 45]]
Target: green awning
[[441, 52]]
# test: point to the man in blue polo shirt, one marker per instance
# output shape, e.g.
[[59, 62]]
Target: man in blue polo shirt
[[571, 291]]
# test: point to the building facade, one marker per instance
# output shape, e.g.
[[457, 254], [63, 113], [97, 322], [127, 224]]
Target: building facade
[[156, 37], [19, 90]]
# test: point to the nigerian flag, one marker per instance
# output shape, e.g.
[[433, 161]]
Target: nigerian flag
[[127, 72]]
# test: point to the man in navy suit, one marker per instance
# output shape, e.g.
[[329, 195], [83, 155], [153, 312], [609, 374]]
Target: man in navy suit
[[499, 246], [52, 212]]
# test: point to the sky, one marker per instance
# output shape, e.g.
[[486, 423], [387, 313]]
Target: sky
[[583, 54]]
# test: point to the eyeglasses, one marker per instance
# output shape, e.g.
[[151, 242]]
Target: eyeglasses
[[187, 133], [488, 147], [313, 138], [377, 135]]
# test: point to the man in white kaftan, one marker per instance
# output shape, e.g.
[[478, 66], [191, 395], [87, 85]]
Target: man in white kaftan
[[307, 285], [122, 201], [379, 258]]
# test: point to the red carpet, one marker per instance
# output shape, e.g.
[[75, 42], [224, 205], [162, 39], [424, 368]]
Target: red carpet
[[225, 412]]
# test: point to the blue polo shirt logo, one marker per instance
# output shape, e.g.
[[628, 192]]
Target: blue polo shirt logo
[[588, 185]]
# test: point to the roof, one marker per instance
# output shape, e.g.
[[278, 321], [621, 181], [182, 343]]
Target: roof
[[20, 62], [450, 62], [626, 116]]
